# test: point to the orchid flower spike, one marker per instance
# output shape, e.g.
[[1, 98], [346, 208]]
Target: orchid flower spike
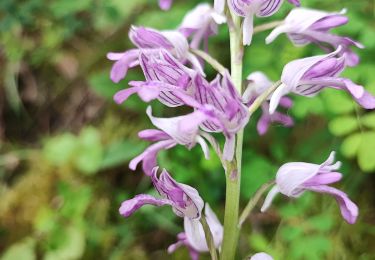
[[185, 200], [293, 179], [200, 23], [258, 83], [304, 26], [183, 130], [217, 104], [308, 76], [194, 237], [147, 39], [249, 8], [261, 256]]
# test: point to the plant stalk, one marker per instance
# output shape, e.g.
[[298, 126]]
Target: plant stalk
[[259, 100], [233, 169], [253, 201], [210, 60], [267, 26], [209, 238]]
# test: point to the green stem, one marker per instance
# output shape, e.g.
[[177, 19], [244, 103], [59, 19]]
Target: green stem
[[210, 60], [209, 238], [253, 201], [259, 100], [233, 169], [266, 26]]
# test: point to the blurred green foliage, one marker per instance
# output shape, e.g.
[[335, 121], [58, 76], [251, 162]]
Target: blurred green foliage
[[65, 146]]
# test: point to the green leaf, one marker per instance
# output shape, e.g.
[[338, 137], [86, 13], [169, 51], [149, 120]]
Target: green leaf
[[72, 247], [368, 120], [366, 157], [304, 106], [22, 250], [61, 8], [258, 242], [255, 172], [296, 208], [350, 145], [76, 200], [290, 233], [90, 153], [59, 150], [102, 84], [337, 102], [321, 222], [310, 247], [343, 125], [45, 220]]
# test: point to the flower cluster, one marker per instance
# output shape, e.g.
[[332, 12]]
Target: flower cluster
[[174, 75]]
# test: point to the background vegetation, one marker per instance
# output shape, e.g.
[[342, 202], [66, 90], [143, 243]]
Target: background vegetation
[[65, 145]]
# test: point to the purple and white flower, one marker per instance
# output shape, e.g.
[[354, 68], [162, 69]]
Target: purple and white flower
[[150, 41], [175, 85], [293, 179], [258, 83], [229, 115], [308, 76], [185, 200], [249, 8], [200, 23], [194, 237], [304, 26], [183, 130], [166, 79]]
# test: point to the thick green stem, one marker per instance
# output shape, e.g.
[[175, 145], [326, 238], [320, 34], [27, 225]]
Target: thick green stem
[[233, 169]]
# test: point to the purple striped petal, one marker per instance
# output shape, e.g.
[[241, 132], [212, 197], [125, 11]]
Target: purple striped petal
[[182, 129], [269, 7], [149, 156], [305, 26], [326, 178], [148, 38], [200, 23], [295, 2], [128, 207], [349, 210], [124, 61], [308, 76], [153, 135], [186, 200]]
